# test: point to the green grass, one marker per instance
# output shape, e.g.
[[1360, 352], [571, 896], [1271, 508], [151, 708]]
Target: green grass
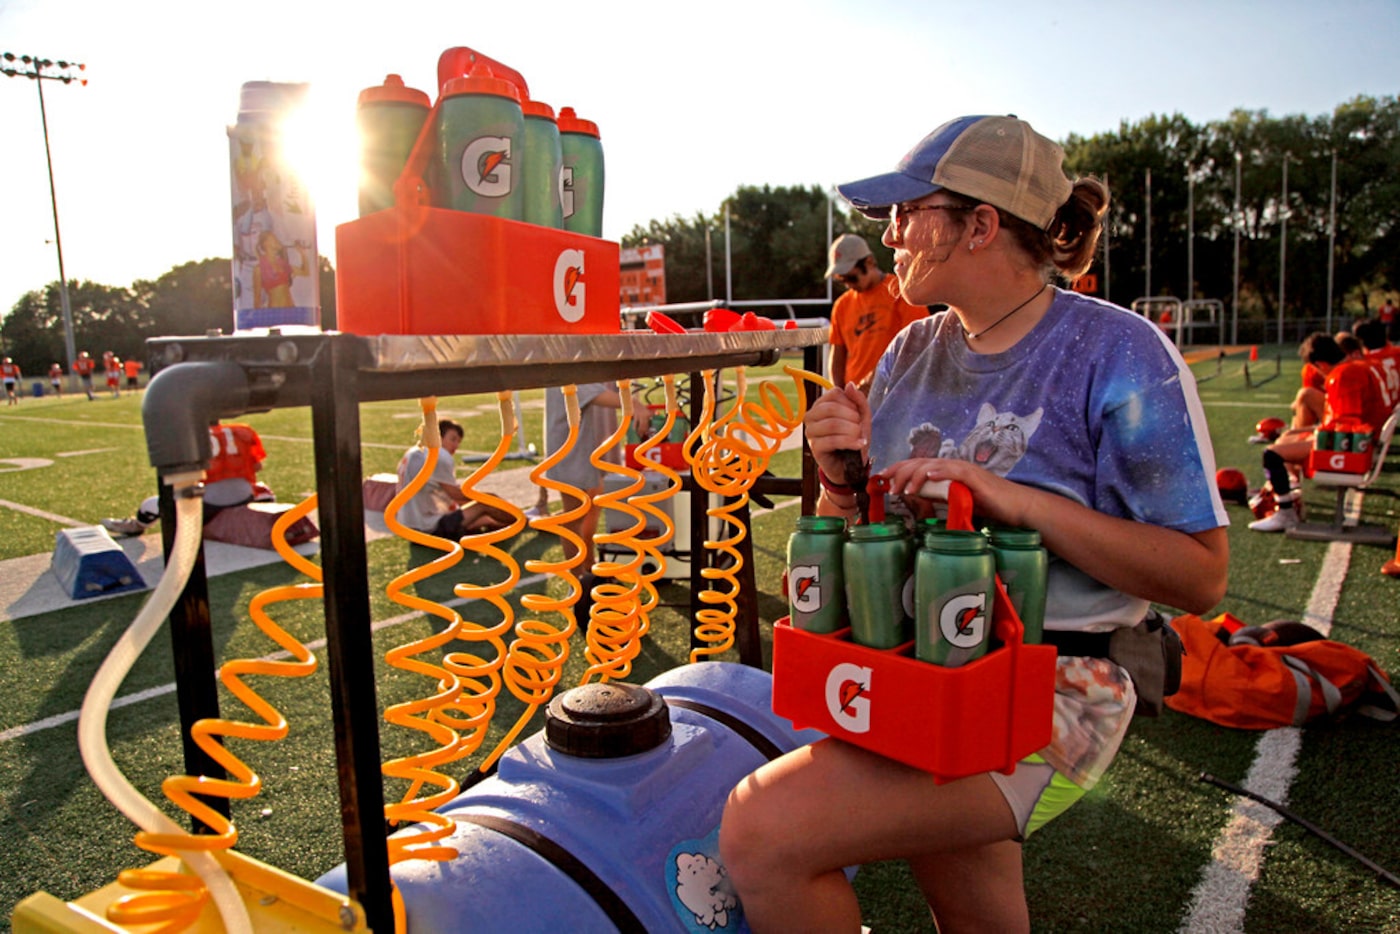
[[1124, 859]]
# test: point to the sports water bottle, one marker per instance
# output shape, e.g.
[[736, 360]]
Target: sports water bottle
[[480, 127], [390, 117], [1021, 564], [541, 166], [815, 582], [876, 565], [582, 192], [953, 597]]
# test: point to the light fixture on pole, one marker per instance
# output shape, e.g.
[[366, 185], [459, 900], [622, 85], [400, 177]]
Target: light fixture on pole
[[40, 70]]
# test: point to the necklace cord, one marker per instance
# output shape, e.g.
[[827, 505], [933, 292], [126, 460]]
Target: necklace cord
[[973, 337]]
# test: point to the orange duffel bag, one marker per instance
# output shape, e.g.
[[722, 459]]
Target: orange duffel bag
[[1228, 678]]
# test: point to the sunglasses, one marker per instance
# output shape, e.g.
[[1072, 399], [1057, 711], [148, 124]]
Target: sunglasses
[[899, 213], [851, 277]]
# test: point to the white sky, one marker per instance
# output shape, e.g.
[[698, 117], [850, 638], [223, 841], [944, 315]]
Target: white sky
[[692, 100]]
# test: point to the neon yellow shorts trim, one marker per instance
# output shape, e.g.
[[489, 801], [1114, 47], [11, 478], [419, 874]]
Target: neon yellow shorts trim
[[1036, 793]]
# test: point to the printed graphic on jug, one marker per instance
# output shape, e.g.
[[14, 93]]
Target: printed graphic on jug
[[701, 893], [804, 588]]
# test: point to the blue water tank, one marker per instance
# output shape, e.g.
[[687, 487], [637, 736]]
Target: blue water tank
[[608, 820]]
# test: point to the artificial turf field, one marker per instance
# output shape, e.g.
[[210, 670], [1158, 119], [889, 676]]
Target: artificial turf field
[[1127, 858]]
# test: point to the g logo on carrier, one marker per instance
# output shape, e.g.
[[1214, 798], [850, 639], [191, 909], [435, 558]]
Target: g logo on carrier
[[805, 588], [569, 292], [848, 697], [963, 620], [486, 166]]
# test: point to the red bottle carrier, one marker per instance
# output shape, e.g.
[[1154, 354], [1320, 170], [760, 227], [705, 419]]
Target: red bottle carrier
[[418, 269], [1356, 459], [952, 722]]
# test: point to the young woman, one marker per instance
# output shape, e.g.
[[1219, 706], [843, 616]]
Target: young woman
[[1061, 413]]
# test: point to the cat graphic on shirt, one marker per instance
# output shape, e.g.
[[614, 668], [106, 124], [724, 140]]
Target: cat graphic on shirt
[[996, 442]]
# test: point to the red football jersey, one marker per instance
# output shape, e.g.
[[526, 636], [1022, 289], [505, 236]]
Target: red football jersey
[[236, 450]]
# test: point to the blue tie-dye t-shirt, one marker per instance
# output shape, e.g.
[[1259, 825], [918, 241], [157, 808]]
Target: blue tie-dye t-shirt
[[1094, 404]]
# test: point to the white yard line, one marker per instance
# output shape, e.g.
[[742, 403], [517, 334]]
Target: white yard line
[[1220, 898], [39, 513]]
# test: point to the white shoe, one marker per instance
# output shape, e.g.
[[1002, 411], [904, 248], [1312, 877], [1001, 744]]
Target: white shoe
[[535, 512], [128, 526], [1285, 518]]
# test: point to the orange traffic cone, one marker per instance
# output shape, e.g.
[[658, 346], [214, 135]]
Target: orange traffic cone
[[1253, 353], [1392, 568]]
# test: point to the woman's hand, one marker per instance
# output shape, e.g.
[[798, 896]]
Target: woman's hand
[[838, 421], [1187, 571], [1003, 501]]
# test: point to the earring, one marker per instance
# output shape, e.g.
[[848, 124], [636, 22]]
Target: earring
[[971, 246]]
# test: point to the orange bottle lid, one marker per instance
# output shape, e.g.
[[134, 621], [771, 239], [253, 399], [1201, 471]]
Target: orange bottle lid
[[481, 81], [570, 122], [393, 91], [533, 108]]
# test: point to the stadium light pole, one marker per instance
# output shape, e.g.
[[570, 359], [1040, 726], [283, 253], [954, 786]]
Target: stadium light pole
[[1331, 240], [1235, 299], [1282, 245], [40, 70]]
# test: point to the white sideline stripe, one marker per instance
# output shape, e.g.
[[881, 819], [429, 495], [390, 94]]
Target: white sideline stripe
[[1219, 900], [126, 700], [41, 514]]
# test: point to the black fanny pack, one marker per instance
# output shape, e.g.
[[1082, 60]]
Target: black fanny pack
[[1149, 652]]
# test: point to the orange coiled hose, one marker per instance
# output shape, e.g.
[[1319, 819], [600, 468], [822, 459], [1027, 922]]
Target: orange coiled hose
[[726, 456], [479, 669], [420, 769], [614, 630], [174, 900], [647, 503], [536, 657]]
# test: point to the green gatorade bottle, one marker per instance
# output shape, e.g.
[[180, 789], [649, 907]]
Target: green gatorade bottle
[[479, 130], [953, 595], [815, 583], [390, 117], [582, 192], [542, 165], [1022, 564], [877, 559]]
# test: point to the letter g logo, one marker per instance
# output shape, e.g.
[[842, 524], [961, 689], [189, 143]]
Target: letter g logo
[[569, 291], [848, 697], [486, 166]]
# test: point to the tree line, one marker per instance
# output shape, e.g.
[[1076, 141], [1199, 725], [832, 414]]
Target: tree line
[[778, 235]]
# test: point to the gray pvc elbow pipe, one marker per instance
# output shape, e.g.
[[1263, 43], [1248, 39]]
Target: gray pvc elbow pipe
[[181, 401]]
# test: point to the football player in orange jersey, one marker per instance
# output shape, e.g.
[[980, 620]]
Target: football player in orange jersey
[[236, 454]]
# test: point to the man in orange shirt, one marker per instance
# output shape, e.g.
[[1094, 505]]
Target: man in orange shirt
[[1353, 391], [867, 317], [131, 368]]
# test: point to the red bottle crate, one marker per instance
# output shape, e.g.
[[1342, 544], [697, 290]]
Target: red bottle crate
[[952, 722], [1338, 462], [414, 269]]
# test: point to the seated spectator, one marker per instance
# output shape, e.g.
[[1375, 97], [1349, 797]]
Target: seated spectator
[[1353, 390], [441, 508]]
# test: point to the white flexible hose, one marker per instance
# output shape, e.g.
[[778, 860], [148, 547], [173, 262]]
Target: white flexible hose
[[92, 719]]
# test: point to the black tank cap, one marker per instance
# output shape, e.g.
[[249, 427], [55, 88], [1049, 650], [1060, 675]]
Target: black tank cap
[[606, 721]]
